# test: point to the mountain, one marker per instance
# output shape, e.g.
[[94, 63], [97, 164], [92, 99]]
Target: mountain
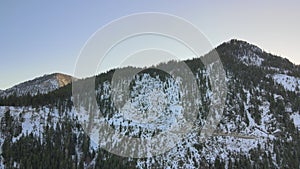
[[41, 85], [259, 127]]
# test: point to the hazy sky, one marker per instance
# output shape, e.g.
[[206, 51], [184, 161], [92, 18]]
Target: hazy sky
[[42, 37]]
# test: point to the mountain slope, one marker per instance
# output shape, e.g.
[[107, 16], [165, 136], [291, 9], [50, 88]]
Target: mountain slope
[[260, 126], [41, 85]]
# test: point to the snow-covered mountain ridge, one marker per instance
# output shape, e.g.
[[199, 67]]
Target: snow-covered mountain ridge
[[260, 124]]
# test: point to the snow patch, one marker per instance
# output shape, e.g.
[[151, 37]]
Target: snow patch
[[296, 119], [290, 83]]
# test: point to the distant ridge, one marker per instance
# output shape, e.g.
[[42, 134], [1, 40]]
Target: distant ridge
[[42, 85]]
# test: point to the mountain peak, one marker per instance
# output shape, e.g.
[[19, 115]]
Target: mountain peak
[[242, 51], [241, 44]]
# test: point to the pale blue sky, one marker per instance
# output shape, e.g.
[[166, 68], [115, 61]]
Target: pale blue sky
[[42, 37]]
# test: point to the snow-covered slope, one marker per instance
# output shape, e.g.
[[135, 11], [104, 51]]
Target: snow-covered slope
[[42, 85], [290, 83]]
